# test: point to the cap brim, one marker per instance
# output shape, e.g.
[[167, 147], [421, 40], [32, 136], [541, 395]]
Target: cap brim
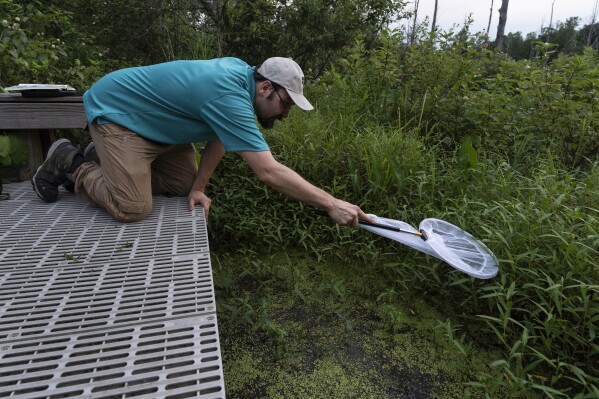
[[300, 101]]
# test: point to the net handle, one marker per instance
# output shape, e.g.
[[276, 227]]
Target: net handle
[[320, 212]]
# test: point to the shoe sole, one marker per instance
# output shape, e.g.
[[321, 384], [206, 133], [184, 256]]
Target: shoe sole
[[53, 148]]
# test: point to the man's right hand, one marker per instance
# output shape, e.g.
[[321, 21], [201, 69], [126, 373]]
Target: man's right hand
[[347, 214]]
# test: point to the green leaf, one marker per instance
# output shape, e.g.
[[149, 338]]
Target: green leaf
[[498, 363], [5, 159], [19, 150], [468, 155]]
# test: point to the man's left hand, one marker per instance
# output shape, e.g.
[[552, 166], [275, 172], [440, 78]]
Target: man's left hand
[[196, 197]]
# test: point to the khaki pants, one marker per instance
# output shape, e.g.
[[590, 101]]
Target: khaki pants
[[133, 169]]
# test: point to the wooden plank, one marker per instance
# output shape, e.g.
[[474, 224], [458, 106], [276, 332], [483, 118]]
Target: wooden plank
[[42, 115], [17, 98]]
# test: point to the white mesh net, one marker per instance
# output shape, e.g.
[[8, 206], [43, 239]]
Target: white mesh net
[[444, 241], [459, 248]]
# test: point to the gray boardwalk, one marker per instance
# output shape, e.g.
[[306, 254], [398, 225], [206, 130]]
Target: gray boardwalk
[[94, 308]]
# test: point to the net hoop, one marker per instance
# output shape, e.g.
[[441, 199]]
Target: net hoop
[[444, 241], [459, 248]]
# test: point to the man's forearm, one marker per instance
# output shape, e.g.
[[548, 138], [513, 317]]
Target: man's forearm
[[291, 184], [211, 157]]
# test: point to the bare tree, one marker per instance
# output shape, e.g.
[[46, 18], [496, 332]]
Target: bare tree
[[434, 25], [490, 18], [502, 21], [592, 23], [216, 12], [550, 21], [413, 35]]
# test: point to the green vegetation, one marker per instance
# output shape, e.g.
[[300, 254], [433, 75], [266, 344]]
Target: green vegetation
[[13, 150], [565, 37], [292, 326], [449, 128], [460, 134]]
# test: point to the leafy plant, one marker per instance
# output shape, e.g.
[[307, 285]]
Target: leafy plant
[[39, 43], [13, 150]]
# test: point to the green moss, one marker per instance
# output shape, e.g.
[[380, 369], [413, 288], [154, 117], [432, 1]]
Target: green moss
[[316, 332]]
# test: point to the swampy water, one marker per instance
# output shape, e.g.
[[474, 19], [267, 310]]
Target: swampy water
[[294, 327]]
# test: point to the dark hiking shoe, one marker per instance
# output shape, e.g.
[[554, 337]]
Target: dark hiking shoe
[[89, 155], [55, 170]]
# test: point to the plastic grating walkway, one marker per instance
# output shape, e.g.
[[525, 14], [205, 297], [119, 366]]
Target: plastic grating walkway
[[94, 308]]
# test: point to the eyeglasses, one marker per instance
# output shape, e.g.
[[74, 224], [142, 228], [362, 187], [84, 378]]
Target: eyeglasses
[[286, 104]]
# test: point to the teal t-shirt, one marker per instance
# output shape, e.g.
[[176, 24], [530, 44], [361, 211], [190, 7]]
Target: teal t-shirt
[[181, 102]]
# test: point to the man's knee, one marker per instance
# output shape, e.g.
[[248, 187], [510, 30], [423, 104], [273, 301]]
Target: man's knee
[[132, 210], [130, 217]]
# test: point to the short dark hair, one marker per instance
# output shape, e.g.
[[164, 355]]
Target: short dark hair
[[260, 78]]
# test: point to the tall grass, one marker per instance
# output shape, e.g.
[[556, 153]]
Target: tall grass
[[364, 144], [543, 308]]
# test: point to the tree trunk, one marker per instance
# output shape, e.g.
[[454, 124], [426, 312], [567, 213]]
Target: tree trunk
[[434, 26], [413, 35], [593, 23], [502, 21], [551, 19], [490, 18]]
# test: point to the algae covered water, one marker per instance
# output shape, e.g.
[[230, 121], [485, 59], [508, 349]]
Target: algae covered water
[[292, 327]]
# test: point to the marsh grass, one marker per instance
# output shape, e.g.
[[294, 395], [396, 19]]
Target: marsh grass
[[541, 312], [398, 147], [542, 309]]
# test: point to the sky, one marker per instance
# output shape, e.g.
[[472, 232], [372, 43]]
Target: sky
[[523, 15]]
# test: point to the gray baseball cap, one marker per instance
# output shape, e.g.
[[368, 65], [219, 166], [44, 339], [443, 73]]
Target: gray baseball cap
[[286, 73]]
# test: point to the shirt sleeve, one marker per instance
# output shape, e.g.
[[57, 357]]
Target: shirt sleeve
[[231, 117]]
